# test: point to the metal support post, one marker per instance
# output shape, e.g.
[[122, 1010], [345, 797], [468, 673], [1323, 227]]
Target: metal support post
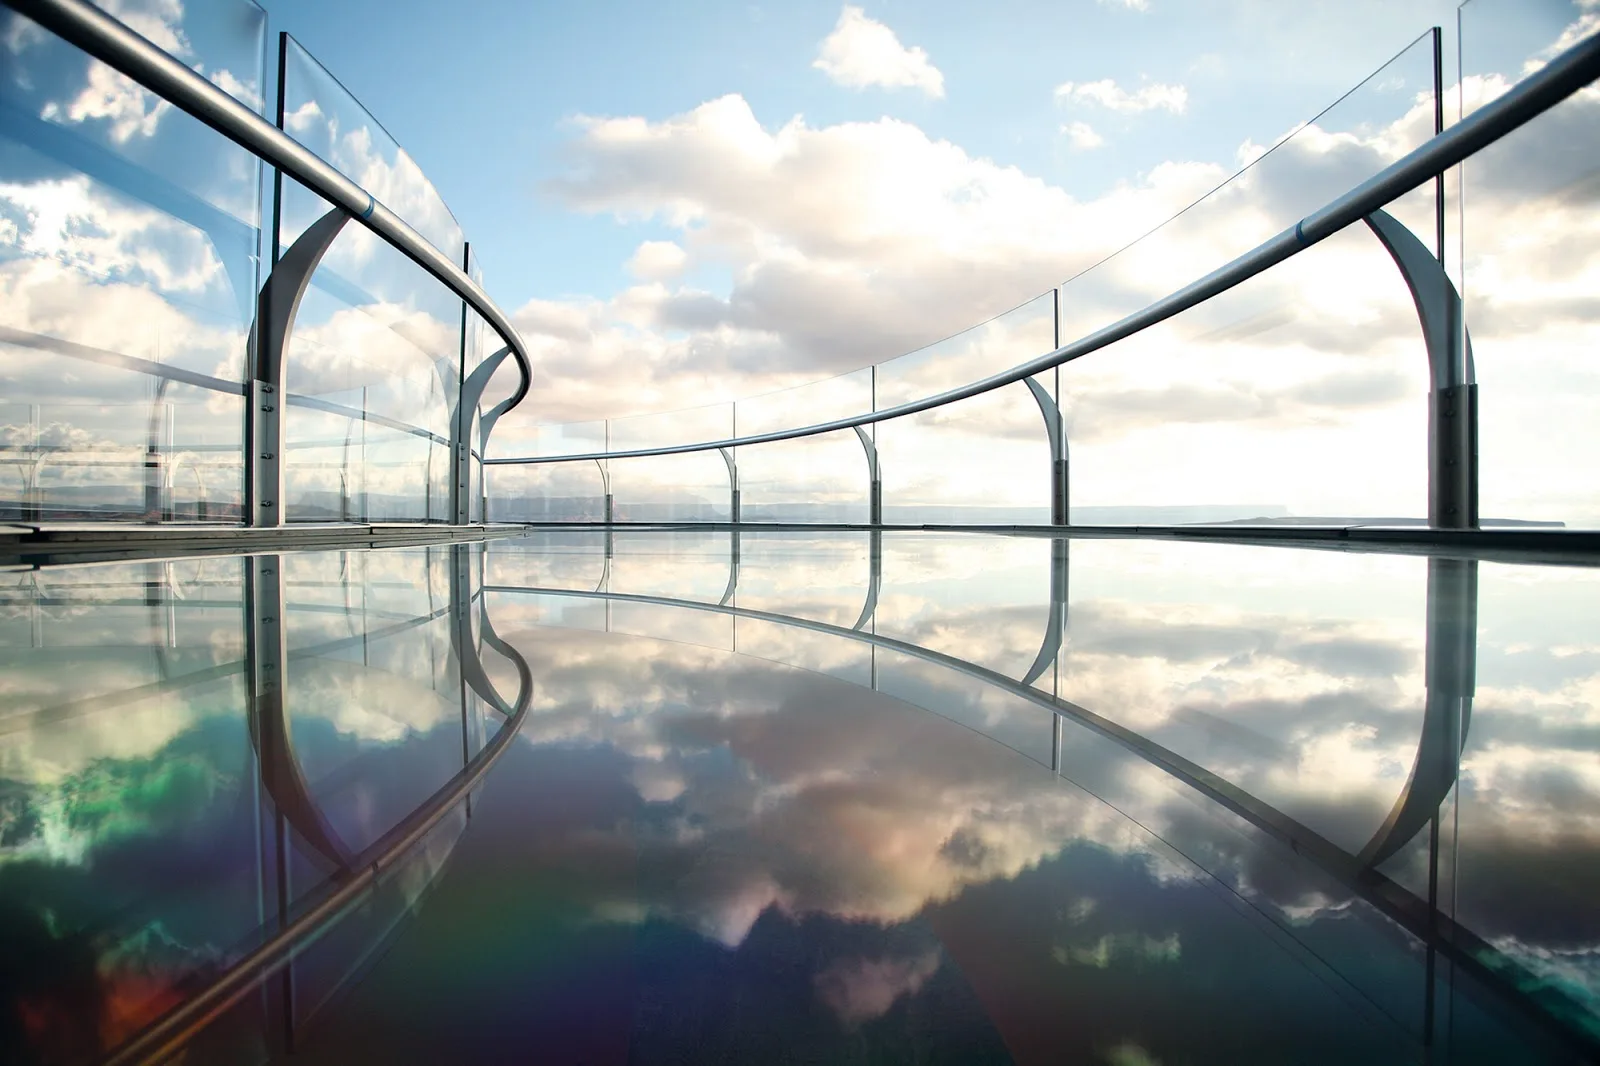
[[733, 483], [269, 342], [1453, 401], [874, 478], [1056, 430]]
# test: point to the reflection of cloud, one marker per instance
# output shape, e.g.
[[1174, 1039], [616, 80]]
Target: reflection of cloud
[[75, 222], [859, 990], [110, 94]]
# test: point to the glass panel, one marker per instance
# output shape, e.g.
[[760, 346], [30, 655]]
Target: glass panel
[[321, 114], [549, 492], [378, 342], [811, 479], [1531, 263], [693, 487], [985, 459], [372, 370], [128, 242], [1299, 394]]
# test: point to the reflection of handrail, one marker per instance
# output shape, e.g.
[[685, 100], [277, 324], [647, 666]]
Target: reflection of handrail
[[108, 40], [1546, 1005], [172, 1031], [1565, 75]]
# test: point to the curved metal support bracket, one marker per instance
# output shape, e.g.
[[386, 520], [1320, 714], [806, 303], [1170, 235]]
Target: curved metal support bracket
[[874, 477], [1453, 401], [733, 482], [461, 429], [276, 308], [1056, 626], [1451, 672], [1055, 428]]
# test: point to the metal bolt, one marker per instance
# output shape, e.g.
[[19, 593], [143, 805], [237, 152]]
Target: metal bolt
[[266, 407], [266, 388], [266, 503], [266, 455]]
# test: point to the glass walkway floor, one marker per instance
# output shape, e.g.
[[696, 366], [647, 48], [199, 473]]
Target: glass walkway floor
[[825, 797]]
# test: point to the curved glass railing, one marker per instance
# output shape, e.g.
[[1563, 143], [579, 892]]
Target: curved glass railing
[[1287, 382], [211, 262]]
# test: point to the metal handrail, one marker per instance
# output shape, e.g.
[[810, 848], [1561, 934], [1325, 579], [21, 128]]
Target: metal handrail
[[111, 42], [1566, 74]]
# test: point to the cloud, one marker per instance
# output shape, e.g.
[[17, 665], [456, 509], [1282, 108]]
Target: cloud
[[1082, 136], [657, 260], [1108, 94], [1130, 5], [862, 52]]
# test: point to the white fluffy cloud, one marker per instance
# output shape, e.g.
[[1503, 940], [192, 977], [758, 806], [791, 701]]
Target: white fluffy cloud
[[656, 260], [1108, 94], [863, 52], [1082, 136], [1131, 5]]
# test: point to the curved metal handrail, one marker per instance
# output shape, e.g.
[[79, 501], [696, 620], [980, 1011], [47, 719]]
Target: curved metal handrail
[[1566, 74], [113, 43]]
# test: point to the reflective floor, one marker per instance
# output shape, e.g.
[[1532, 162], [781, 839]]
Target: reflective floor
[[801, 798]]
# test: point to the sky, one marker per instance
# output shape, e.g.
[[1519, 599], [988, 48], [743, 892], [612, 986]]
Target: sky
[[496, 118]]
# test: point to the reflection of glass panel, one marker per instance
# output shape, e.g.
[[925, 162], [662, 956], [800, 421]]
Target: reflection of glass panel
[[127, 866], [1529, 231], [830, 586], [128, 241]]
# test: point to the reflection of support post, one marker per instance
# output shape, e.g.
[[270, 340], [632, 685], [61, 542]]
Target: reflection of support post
[[733, 568], [1453, 401], [1055, 428], [869, 607], [1451, 674], [1056, 624], [269, 714], [264, 658], [733, 483], [874, 478], [1450, 671], [269, 342]]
